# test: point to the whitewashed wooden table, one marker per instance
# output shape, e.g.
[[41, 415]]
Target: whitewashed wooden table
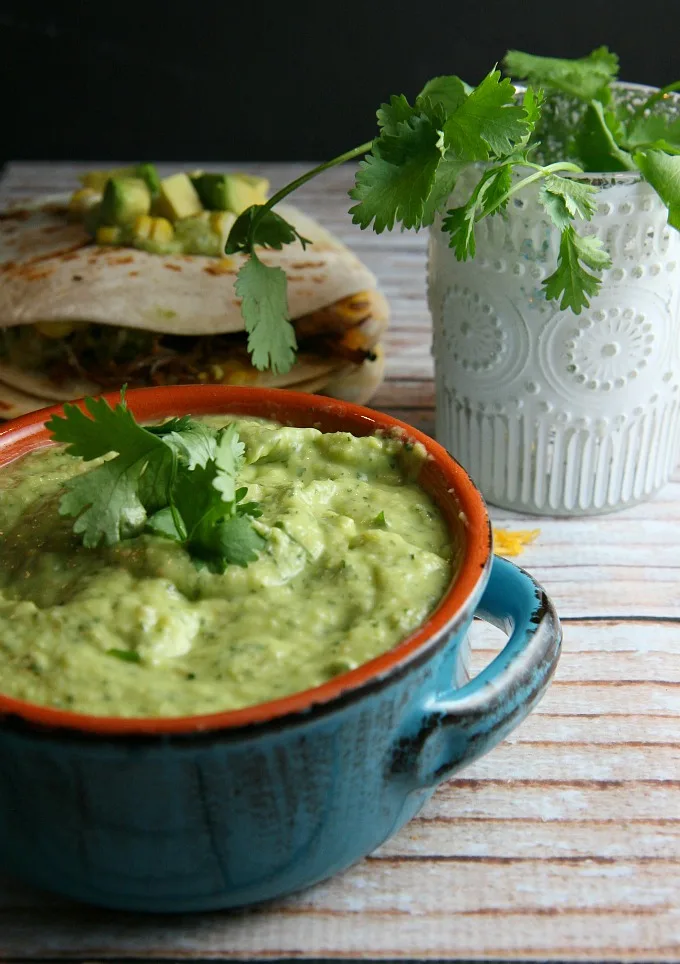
[[561, 844]]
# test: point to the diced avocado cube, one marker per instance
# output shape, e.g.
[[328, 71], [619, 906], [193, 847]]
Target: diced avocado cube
[[211, 190], [259, 183], [97, 179], [149, 174], [93, 218], [230, 192], [178, 198], [125, 198], [221, 223], [244, 190]]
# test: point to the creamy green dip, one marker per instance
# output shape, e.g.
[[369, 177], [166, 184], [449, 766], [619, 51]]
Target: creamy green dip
[[357, 556]]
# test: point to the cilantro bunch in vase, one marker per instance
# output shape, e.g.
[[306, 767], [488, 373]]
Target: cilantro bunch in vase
[[553, 205]]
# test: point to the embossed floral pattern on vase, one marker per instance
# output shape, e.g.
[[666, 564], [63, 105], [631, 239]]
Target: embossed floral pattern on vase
[[549, 411], [479, 342], [609, 348]]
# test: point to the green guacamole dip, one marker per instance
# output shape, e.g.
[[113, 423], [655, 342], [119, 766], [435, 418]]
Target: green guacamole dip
[[357, 556]]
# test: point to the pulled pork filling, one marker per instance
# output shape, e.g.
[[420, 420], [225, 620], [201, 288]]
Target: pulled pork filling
[[109, 356]]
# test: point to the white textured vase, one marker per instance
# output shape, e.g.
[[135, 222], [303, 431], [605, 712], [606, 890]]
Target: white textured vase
[[551, 412]]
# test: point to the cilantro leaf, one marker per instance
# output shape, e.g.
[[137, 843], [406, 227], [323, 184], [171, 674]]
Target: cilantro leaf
[[394, 181], [271, 337], [587, 78], [270, 230], [178, 479], [663, 173], [104, 430], [596, 141], [653, 131], [488, 121], [111, 501], [571, 282], [263, 289], [445, 92], [564, 199], [460, 225], [178, 424], [232, 541], [532, 102], [488, 197], [196, 498], [168, 523], [592, 251], [495, 194], [208, 506], [446, 175], [555, 206], [228, 459], [193, 441], [106, 501], [392, 114]]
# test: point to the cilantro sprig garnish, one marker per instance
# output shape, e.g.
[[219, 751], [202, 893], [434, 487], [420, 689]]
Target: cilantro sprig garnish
[[411, 167], [177, 480]]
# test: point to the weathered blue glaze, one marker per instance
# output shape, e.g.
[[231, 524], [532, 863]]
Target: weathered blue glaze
[[236, 817]]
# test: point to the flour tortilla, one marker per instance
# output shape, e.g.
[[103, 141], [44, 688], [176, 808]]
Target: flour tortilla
[[352, 383], [50, 271], [238, 369], [14, 402]]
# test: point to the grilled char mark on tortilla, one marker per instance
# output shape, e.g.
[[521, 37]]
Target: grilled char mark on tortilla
[[46, 277], [77, 318]]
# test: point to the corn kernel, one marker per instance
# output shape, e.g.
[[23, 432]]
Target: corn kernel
[[142, 226], [162, 230], [108, 235], [221, 222], [147, 228], [55, 329], [237, 378], [82, 200]]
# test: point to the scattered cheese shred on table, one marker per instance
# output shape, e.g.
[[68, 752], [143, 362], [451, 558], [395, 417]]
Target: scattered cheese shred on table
[[509, 542]]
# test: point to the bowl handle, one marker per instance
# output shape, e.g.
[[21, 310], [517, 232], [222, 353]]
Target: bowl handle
[[460, 725]]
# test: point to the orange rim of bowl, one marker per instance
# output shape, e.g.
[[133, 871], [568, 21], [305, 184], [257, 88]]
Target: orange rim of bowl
[[444, 479]]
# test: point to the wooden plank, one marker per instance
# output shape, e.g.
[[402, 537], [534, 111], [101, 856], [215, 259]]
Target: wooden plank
[[580, 909], [526, 839], [626, 667], [605, 699], [562, 801], [564, 842], [611, 591], [597, 636]]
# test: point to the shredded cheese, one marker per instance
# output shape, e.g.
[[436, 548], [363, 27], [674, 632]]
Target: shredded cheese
[[508, 542]]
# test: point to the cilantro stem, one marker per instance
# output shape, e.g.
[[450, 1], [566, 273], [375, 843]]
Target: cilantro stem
[[307, 176], [539, 172], [655, 98]]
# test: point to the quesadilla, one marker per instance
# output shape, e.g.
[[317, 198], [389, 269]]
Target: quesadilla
[[79, 317]]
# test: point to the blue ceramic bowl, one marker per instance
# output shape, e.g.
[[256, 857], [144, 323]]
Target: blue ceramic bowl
[[231, 809]]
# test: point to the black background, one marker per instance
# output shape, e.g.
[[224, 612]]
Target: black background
[[229, 81]]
